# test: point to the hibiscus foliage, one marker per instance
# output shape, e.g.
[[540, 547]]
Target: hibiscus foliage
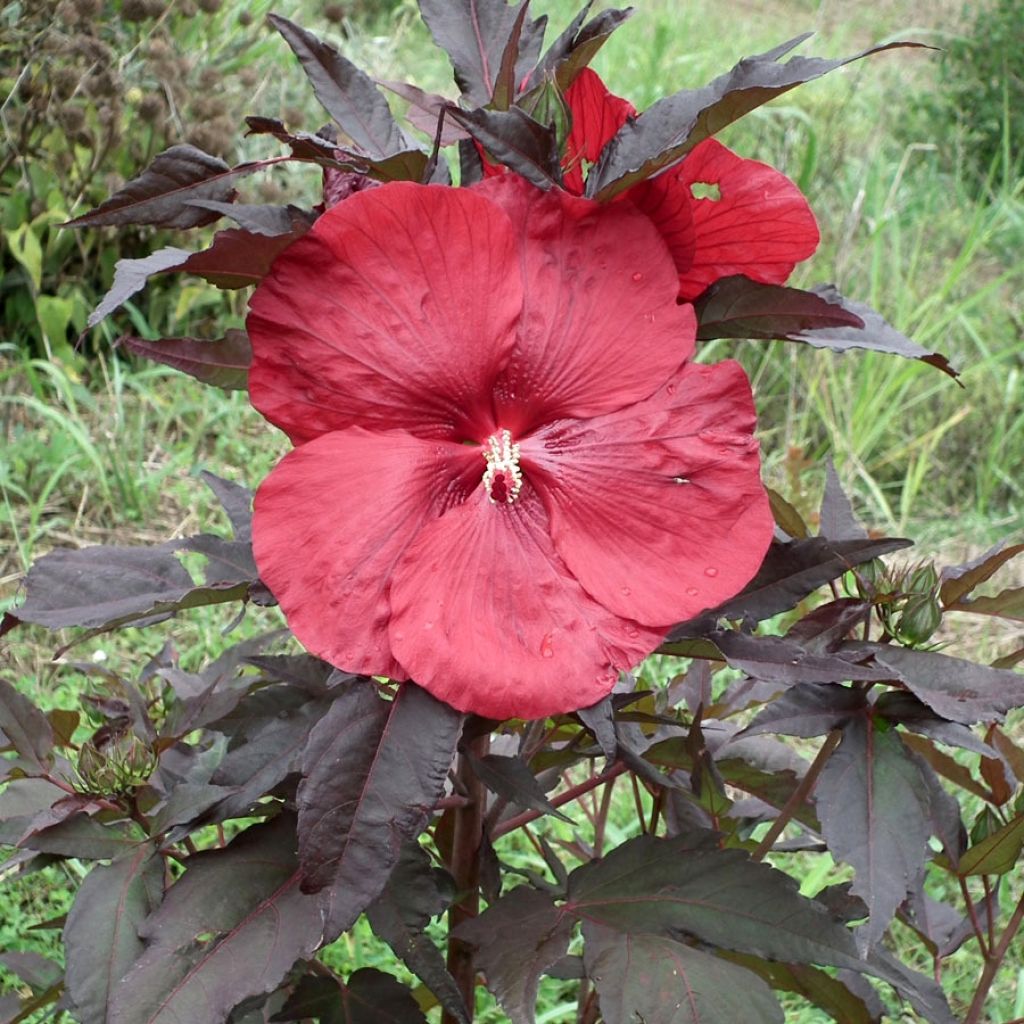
[[511, 479]]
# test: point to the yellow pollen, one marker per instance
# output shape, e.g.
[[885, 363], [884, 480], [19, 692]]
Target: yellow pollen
[[503, 479]]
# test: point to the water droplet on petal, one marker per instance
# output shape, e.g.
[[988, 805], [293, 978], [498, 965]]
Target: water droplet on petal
[[638, 276], [632, 631], [626, 591], [428, 625], [546, 650], [710, 571], [670, 389], [692, 591]]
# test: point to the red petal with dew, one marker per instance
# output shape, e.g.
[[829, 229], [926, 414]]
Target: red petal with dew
[[658, 510], [332, 519], [486, 616], [760, 225], [395, 311], [600, 327], [597, 115]]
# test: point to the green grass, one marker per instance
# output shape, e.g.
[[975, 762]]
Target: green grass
[[97, 450]]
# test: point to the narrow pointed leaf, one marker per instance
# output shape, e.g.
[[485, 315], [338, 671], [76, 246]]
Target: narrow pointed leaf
[[667, 131], [660, 981], [130, 276], [516, 940], [474, 34], [372, 772], [511, 778], [904, 708], [996, 854], [158, 195], [400, 915], [514, 139], [222, 364], [577, 46], [84, 838], [24, 727], [237, 906], [345, 92], [956, 689], [873, 809], [959, 580], [260, 219], [808, 710], [791, 571], [837, 519], [687, 885], [1008, 604], [737, 307], [101, 935]]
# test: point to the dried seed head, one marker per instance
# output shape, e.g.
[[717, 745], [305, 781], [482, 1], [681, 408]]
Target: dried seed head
[[210, 6], [334, 13], [65, 81], [135, 10], [151, 107], [248, 77], [245, 19], [72, 118], [210, 77]]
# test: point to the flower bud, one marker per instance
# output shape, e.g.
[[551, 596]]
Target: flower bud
[[923, 580], [550, 108], [921, 616]]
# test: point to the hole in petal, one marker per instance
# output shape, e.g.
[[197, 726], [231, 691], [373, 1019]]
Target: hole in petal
[[706, 190]]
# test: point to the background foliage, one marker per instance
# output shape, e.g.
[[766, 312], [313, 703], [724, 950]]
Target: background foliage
[[921, 207]]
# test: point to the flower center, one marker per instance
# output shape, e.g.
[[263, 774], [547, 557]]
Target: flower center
[[503, 479]]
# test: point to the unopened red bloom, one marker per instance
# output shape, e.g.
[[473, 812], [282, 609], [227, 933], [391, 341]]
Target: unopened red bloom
[[718, 213], [507, 480]]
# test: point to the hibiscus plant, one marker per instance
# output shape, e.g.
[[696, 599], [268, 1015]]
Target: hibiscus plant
[[509, 481]]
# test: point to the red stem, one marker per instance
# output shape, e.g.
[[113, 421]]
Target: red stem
[[465, 869], [511, 824], [993, 962]]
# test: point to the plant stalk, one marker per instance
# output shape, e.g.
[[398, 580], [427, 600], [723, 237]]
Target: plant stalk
[[465, 869], [993, 962], [798, 796]]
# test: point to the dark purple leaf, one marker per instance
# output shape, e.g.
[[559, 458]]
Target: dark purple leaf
[[346, 93], [655, 979], [25, 727], [505, 80], [923, 993], [228, 562], [474, 34], [515, 139], [38, 972], [737, 307], [101, 935], [837, 519], [415, 893], [943, 928], [372, 772], [238, 259], [261, 219], [959, 690], [667, 131], [600, 721], [778, 660], [790, 572], [687, 885], [368, 997], [959, 580], [1008, 604], [237, 906], [905, 709], [187, 803], [808, 710], [873, 807], [130, 276], [236, 500], [577, 46], [223, 364], [425, 109], [511, 779], [106, 587], [84, 838], [819, 988], [821, 629], [158, 195], [276, 729], [516, 940]]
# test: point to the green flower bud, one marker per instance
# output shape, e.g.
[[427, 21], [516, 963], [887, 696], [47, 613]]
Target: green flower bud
[[921, 616], [923, 580], [546, 104]]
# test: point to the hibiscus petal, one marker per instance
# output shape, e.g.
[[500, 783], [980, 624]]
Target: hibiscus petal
[[597, 115], [331, 520], [395, 311], [658, 509], [600, 327], [486, 617], [760, 225]]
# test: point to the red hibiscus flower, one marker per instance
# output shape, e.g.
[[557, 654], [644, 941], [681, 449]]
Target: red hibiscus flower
[[718, 213], [507, 480]]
